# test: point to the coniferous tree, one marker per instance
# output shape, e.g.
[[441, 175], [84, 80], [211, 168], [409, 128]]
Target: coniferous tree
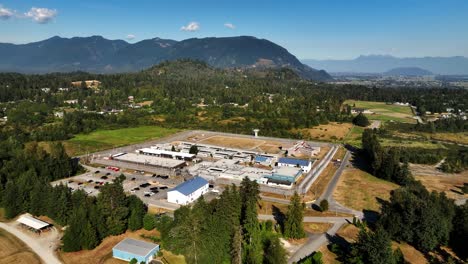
[[293, 226], [149, 221], [274, 252]]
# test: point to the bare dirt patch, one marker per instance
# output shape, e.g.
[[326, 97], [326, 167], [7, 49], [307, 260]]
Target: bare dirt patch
[[435, 180], [360, 190], [349, 233]]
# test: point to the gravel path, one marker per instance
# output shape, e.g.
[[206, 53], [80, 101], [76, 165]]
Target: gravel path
[[44, 247]]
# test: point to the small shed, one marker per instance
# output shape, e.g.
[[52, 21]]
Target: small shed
[[33, 223], [129, 249]]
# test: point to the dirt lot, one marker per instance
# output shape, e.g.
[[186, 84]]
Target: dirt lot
[[329, 132], [360, 190], [103, 253], [268, 146], [13, 250], [435, 180]]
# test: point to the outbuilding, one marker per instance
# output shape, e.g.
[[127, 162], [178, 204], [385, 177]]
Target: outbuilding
[[33, 223], [129, 249], [188, 191], [305, 165]]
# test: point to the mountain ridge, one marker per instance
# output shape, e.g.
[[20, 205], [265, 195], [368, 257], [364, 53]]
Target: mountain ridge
[[453, 65], [100, 55]]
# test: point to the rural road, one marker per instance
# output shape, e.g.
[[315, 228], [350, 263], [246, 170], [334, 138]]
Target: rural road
[[314, 242], [44, 250]]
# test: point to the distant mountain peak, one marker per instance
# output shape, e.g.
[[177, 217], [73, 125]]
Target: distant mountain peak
[[98, 54]]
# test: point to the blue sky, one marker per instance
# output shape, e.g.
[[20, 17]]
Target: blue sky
[[316, 29]]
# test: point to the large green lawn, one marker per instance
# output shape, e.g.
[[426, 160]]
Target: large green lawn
[[106, 139], [385, 112]]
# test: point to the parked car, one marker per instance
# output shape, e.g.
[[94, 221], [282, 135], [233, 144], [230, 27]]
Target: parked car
[[163, 187], [97, 171]]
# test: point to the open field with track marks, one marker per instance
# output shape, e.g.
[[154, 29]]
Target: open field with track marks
[[385, 112]]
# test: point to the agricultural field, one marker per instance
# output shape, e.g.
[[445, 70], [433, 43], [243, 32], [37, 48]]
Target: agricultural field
[[385, 112], [107, 139], [13, 250], [359, 190]]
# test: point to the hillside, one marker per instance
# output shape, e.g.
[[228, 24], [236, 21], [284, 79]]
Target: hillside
[[382, 63], [99, 55]]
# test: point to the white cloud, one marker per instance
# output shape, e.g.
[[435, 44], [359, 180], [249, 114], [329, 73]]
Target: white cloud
[[191, 27], [229, 25], [131, 37], [41, 15], [5, 13]]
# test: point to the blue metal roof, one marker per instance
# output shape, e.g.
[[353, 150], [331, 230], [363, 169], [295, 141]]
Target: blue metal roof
[[191, 185], [299, 162], [261, 158]]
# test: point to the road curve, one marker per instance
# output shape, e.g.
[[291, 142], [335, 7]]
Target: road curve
[[46, 254]]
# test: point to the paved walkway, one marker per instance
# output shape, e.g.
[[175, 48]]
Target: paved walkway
[[44, 249]]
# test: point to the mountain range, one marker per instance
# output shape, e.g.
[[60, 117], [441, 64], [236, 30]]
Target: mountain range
[[457, 65], [99, 55], [408, 71]]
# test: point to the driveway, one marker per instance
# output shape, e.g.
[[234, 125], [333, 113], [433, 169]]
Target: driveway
[[43, 245]]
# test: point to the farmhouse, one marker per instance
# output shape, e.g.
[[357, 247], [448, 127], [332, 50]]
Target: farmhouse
[[305, 165], [129, 249], [32, 223], [188, 191]]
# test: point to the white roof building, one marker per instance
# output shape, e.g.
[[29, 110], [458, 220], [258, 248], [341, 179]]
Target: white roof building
[[31, 222]]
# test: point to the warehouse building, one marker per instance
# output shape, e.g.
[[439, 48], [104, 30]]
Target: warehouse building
[[284, 175], [129, 249], [188, 191], [305, 165], [150, 160], [166, 153]]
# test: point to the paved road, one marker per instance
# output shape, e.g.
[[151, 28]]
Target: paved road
[[44, 250], [314, 242]]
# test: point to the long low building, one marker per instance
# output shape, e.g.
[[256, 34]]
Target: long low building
[[150, 160], [305, 165], [165, 153], [129, 249], [33, 223]]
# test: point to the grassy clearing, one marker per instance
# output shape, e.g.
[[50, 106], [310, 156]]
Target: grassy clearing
[[435, 180], [385, 112], [170, 258], [360, 190], [332, 131], [354, 137], [13, 250], [106, 139], [408, 143]]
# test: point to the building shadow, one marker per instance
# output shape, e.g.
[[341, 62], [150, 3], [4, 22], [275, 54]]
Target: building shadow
[[279, 216]]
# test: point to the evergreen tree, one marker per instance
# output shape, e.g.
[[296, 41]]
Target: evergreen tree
[[89, 238], [149, 222], [236, 247], [372, 248], [137, 212], [10, 200], [324, 205], [294, 226], [361, 120], [274, 252]]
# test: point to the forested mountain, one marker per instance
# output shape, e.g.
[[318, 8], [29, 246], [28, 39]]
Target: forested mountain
[[382, 63], [100, 55]]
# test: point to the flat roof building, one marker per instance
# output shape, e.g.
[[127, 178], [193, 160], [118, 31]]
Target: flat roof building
[[305, 165], [129, 249], [188, 191], [150, 160], [285, 175], [166, 153]]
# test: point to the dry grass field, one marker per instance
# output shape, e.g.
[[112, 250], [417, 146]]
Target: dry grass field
[[103, 253], [268, 146], [317, 227], [435, 180], [321, 183], [410, 254], [385, 112], [359, 190], [13, 250], [332, 131]]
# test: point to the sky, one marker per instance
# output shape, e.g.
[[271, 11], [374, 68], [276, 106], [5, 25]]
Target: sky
[[309, 29]]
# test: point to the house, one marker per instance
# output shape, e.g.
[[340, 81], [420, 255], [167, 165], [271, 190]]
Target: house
[[188, 191], [356, 110], [129, 249], [305, 165]]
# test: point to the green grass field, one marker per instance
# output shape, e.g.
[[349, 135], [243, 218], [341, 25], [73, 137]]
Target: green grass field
[[385, 112], [354, 137], [106, 139]]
